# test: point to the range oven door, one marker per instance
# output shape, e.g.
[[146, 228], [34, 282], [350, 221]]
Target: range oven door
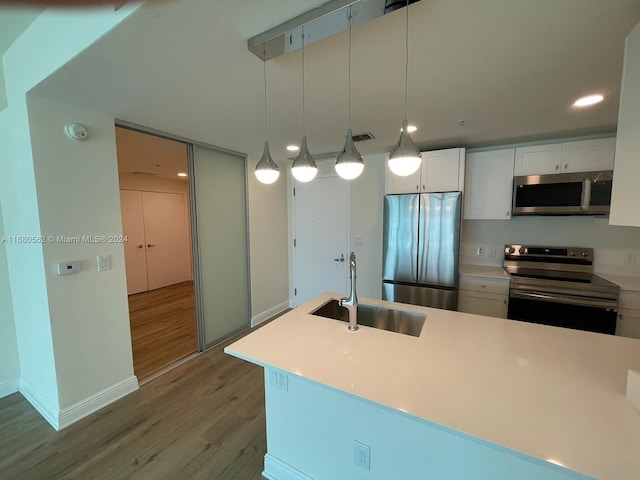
[[561, 310]]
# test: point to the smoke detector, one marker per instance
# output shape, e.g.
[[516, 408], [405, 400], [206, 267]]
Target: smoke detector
[[76, 131]]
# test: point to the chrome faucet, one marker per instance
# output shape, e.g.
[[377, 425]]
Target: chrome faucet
[[351, 302]]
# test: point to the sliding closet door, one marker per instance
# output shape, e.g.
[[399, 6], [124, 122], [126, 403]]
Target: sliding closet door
[[221, 216]]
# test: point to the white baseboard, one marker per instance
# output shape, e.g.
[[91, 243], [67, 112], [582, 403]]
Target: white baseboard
[[44, 408], [97, 401], [276, 469], [267, 314], [7, 388]]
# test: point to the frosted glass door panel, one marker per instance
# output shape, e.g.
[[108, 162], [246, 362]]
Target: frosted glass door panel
[[220, 196]]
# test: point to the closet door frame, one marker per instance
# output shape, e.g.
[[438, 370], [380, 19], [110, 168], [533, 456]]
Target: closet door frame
[[193, 221]]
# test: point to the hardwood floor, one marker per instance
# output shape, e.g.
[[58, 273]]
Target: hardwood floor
[[163, 327], [204, 419]]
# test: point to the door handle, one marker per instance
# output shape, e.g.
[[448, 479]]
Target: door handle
[[149, 245], [341, 259], [139, 246]]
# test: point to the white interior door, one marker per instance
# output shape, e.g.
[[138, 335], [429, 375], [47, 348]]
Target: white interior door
[[167, 240], [321, 252], [134, 249]]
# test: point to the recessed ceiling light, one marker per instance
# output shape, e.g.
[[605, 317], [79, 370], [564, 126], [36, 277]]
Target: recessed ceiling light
[[588, 100], [293, 148], [182, 174]]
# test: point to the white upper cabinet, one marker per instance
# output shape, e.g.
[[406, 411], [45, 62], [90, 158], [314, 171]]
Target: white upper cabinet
[[625, 196], [588, 155], [538, 160], [489, 185], [440, 171], [568, 157]]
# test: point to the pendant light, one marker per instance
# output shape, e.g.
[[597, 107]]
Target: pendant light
[[349, 164], [267, 170], [405, 157], [304, 168]]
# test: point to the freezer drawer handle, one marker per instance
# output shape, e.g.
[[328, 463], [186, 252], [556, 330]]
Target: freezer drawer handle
[[567, 299]]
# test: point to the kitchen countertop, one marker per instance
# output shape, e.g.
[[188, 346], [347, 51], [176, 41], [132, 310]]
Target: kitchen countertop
[[553, 393], [489, 271]]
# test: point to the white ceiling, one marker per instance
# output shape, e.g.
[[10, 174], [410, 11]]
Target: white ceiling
[[509, 68], [14, 21]]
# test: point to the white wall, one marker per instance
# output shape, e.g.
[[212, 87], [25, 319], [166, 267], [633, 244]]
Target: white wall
[[268, 249], [78, 194], [611, 244], [367, 203], [9, 363]]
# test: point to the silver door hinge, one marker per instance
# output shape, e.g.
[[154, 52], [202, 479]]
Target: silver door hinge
[[295, 244], [294, 192], [295, 291]]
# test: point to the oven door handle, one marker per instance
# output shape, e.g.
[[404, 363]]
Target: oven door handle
[[568, 299]]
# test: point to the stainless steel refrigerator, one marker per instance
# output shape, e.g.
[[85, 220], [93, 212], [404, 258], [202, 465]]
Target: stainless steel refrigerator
[[421, 248]]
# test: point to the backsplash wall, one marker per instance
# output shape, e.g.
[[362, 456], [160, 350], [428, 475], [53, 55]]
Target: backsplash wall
[[616, 249]]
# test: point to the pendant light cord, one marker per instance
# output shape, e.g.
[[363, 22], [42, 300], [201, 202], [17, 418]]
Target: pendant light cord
[[406, 65], [264, 71], [350, 17], [304, 130]]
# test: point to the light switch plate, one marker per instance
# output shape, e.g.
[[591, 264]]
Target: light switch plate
[[104, 263]]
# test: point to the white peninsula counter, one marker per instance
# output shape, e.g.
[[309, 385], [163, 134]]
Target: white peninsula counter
[[472, 397]]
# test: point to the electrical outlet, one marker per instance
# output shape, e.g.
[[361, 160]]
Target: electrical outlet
[[279, 380], [629, 258], [362, 455], [491, 251], [481, 251]]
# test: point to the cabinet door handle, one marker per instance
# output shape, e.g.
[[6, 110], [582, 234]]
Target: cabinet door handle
[[139, 246], [566, 165], [557, 167], [149, 245]]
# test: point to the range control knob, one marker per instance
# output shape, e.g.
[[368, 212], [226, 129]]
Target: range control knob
[[522, 250], [584, 253], [572, 253], [511, 250]]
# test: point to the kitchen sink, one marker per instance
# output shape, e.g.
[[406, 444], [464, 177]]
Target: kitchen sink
[[408, 323]]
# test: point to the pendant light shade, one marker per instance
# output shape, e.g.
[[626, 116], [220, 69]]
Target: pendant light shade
[[349, 164], [304, 168], [267, 170], [405, 158]]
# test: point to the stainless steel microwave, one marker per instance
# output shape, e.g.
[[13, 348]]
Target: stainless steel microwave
[[584, 193]]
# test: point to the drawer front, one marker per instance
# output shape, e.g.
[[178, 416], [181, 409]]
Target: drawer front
[[628, 323], [629, 300], [489, 304], [484, 284]]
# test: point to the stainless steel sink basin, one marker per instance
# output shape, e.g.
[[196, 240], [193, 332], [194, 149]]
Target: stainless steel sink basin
[[408, 323]]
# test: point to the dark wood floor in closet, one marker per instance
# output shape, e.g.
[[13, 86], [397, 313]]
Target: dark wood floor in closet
[[163, 327]]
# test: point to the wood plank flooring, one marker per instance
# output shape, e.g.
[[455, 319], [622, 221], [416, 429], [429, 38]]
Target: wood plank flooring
[[163, 327], [204, 419]]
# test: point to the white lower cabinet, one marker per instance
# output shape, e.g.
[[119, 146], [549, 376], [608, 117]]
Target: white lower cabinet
[[483, 295], [629, 315]]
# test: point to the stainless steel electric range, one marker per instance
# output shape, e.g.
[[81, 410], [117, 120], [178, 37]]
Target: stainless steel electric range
[[556, 286]]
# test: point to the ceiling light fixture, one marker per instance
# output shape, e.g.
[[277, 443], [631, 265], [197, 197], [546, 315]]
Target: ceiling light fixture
[[293, 148], [588, 100], [267, 170], [349, 163], [405, 158], [304, 168]]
